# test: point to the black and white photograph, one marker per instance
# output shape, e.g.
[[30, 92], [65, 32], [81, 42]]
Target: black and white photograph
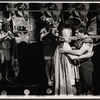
[[49, 49]]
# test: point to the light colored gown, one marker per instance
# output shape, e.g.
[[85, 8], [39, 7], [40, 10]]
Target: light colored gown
[[65, 72]]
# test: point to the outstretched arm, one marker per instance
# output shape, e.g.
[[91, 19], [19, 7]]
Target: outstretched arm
[[79, 52], [87, 55]]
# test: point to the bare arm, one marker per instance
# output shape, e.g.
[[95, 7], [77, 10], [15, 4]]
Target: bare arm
[[79, 52], [43, 33], [87, 55]]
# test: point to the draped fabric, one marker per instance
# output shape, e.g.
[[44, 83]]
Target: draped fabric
[[64, 74], [14, 60]]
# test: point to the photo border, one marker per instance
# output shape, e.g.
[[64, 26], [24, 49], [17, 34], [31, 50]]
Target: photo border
[[49, 97]]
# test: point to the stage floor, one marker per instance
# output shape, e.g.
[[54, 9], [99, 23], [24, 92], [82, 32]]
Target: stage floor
[[22, 90]]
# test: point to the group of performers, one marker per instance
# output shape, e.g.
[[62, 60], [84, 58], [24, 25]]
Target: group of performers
[[65, 66], [69, 69]]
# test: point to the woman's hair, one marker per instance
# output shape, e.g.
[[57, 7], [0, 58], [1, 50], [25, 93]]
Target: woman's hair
[[64, 25], [82, 29]]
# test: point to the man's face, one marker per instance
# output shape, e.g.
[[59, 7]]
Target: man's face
[[0, 26], [79, 34]]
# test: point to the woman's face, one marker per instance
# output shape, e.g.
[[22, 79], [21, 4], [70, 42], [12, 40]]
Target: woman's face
[[6, 27], [67, 35]]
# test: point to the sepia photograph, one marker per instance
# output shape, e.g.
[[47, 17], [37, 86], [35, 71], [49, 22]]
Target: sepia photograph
[[49, 49]]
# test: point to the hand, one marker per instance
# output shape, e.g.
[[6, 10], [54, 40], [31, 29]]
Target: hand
[[10, 34], [61, 50], [89, 54], [8, 37]]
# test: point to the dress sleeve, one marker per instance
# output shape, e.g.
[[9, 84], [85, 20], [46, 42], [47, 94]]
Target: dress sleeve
[[67, 46]]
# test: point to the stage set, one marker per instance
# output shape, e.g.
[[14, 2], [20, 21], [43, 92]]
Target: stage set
[[26, 21]]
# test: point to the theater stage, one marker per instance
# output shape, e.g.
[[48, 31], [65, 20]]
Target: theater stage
[[31, 79]]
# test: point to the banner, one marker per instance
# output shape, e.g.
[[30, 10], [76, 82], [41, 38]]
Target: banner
[[21, 25]]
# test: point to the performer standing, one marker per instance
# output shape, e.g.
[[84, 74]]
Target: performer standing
[[49, 35], [5, 52]]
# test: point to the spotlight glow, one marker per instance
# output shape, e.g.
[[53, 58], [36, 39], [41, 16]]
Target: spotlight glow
[[3, 92], [26, 91], [49, 91]]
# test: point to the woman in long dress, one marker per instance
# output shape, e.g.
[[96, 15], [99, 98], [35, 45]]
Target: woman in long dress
[[65, 69]]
